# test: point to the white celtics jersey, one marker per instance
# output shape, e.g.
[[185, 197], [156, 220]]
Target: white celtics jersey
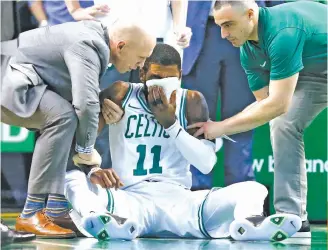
[[140, 147]]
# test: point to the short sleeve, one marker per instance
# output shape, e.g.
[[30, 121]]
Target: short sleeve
[[257, 77], [285, 53]]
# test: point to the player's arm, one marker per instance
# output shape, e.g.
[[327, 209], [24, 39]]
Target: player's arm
[[111, 103], [198, 151]]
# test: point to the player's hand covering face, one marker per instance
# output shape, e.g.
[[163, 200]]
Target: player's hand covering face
[[163, 111]]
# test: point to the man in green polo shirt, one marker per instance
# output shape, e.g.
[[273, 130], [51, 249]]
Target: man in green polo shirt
[[284, 54]]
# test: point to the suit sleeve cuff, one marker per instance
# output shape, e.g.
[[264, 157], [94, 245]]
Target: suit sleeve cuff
[[82, 150]]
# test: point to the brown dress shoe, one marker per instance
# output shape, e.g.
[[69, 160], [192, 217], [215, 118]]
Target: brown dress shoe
[[43, 227], [65, 221]]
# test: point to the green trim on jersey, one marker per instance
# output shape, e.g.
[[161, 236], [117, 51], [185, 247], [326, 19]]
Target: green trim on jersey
[[142, 101], [200, 215], [200, 219], [110, 205], [182, 112], [127, 96]]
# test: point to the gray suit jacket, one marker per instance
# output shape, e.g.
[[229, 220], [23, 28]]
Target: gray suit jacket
[[68, 59]]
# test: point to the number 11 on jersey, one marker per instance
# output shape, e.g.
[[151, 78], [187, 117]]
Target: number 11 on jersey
[[156, 168]]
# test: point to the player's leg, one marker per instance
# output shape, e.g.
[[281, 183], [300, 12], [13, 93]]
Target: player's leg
[[95, 206], [222, 206], [176, 211], [84, 198], [237, 211]]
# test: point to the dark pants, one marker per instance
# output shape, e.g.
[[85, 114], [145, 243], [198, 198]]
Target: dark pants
[[218, 70]]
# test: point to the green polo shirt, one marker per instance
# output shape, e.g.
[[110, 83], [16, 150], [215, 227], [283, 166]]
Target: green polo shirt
[[292, 39]]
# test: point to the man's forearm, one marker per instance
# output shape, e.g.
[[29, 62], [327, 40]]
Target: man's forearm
[[37, 10], [253, 116], [250, 106], [72, 5], [101, 123], [87, 129], [84, 69], [179, 13]]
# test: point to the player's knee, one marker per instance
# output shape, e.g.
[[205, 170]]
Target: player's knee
[[73, 179], [74, 175], [257, 189], [249, 190]]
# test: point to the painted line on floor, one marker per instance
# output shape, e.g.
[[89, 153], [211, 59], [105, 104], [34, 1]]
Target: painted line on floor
[[52, 244]]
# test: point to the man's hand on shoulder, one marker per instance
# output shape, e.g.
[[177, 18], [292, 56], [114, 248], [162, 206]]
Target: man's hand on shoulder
[[111, 112], [111, 100]]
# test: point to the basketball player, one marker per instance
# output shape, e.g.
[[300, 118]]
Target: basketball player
[[151, 153]]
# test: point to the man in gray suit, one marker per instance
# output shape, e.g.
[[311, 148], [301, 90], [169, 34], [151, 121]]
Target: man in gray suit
[[52, 85]]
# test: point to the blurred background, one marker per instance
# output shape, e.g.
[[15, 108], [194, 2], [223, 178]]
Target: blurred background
[[250, 157]]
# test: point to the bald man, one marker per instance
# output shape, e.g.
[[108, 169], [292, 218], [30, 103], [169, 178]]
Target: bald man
[[52, 85]]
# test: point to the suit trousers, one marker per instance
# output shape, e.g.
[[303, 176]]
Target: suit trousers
[[56, 121]]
